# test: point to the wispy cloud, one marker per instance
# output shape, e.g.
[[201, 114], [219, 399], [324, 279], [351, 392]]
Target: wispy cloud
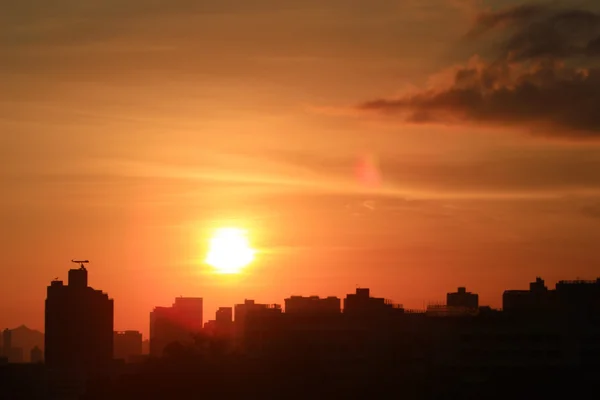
[[269, 181]]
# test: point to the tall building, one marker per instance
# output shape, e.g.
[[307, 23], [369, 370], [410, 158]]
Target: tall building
[[253, 322], [538, 299], [462, 299], [224, 315], [127, 345], [190, 310], [177, 323], [313, 305], [223, 326], [251, 308], [79, 325], [362, 304], [579, 298]]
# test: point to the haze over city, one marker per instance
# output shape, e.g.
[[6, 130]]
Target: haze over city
[[407, 146]]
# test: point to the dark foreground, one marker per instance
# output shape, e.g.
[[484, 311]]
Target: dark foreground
[[308, 378]]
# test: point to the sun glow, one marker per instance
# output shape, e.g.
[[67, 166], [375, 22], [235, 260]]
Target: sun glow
[[229, 251]]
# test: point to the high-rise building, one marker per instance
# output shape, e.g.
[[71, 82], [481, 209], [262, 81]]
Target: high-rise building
[[222, 325], [79, 325], [127, 345], [462, 299], [177, 323], [313, 305], [224, 322], [253, 322], [579, 298], [190, 310], [362, 304], [251, 308], [224, 315], [537, 300]]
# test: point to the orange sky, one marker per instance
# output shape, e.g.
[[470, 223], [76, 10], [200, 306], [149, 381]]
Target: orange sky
[[130, 129]]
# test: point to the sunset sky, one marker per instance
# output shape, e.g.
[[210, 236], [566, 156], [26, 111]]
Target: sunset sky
[[409, 146]]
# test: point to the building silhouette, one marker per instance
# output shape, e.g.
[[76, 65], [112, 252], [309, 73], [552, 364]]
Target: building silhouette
[[251, 309], [578, 297], [79, 325], [224, 322], [462, 299], [537, 300], [575, 298], [222, 325], [127, 345], [13, 354], [220, 331], [251, 321], [312, 305], [224, 315], [361, 303], [374, 346], [178, 323]]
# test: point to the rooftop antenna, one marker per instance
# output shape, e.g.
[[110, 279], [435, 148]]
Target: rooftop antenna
[[80, 262]]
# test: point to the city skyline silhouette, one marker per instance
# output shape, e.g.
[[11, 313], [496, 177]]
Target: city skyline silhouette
[[343, 138], [459, 295], [542, 330], [299, 199], [422, 307]]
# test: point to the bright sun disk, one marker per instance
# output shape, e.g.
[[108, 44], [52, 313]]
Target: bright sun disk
[[229, 251]]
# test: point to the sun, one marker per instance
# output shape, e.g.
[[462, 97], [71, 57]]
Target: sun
[[229, 251]]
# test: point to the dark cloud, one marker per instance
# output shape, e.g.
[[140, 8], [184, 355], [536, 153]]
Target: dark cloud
[[561, 35], [488, 21], [544, 76]]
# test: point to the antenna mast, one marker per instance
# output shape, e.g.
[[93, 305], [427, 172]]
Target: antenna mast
[[80, 262]]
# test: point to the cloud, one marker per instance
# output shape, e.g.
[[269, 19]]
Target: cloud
[[490, 20], [558, 35], [543, 76], [512, 172]]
